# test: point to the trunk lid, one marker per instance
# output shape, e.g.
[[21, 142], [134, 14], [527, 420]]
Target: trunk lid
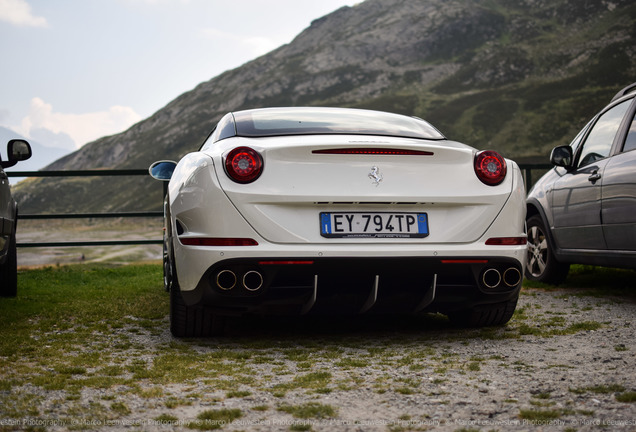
[[298, 184]]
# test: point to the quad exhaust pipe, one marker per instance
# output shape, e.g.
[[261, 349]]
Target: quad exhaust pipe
[[251, 280], [512, 277], [226, 280], [492, 278]]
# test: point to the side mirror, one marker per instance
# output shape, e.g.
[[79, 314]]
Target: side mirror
[[17, 150], [562, 156], [162, 170]]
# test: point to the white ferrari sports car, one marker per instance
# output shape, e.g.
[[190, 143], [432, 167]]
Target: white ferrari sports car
[[339, 211]]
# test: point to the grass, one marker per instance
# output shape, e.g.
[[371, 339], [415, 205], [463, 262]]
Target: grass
[[84, 298], [595, 282], [82, 330], [539, 415], [617, 390], [310, 410], [627, 397], [215, 419]]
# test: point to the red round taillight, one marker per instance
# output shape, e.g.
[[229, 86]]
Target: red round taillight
[[243, 164], [490, 167]]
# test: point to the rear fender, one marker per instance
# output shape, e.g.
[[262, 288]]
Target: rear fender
[[199, 208]]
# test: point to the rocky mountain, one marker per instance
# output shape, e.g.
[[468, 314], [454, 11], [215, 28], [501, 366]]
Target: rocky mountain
[[517, 76]]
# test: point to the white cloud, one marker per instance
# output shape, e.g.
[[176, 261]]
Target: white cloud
[[254, 45], [82, 128], [18, 12]]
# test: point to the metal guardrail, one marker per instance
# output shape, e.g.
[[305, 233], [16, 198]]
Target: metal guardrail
[[87, 173], [526, 168]]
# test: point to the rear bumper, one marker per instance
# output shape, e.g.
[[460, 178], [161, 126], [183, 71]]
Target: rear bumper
[[355, 285]]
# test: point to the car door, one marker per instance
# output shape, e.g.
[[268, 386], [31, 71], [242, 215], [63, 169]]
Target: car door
[[576, 197], [618, 193]]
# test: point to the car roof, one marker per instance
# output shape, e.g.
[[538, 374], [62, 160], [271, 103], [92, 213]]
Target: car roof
[[624, 92]]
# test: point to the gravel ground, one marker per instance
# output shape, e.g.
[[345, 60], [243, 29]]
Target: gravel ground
[[564, 362]]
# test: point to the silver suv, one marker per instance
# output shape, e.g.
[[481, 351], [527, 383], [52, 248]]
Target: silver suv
[[17, 150], [584, 210]]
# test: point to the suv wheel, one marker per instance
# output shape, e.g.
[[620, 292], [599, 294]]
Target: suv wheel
[[541, 264]]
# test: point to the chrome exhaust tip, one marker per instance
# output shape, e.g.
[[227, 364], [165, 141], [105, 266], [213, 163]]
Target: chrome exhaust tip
[[491, 278], [252, 280], [512, 277], [226, 280]]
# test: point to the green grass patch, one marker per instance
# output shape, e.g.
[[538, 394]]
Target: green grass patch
[[166, 418], [237, 394], [549, 328], [629, 396], [120, 408], [215, 419], [473, 366], [310, 381], [539, 415], [310, 410]]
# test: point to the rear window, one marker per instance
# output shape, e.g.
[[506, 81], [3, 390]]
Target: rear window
[[306, 121]]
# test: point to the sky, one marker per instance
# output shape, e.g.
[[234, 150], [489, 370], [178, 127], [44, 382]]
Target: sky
[[73, 71]]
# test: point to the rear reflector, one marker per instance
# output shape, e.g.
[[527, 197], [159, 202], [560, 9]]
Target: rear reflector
[[373, 151], [285, 262], [507, 241], [213, 241]]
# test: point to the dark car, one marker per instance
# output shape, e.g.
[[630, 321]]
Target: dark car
[[17, 150], [584, 210]]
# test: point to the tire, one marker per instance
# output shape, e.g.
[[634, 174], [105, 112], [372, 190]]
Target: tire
[[167, 260], [9, 271], [485, 315], [189, 321], [192, 321], [541, 264], [168, 250]]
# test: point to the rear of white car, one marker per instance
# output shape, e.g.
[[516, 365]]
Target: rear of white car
[[343, 223]]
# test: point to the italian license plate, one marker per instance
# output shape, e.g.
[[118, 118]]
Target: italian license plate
[[375, 225]]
